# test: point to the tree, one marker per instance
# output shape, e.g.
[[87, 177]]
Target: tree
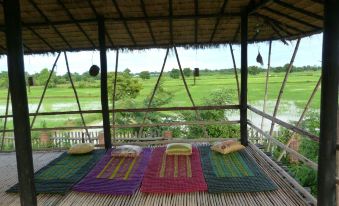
[[127, 87], [175, 73], [127, 71], [41, 78], [145, 75], [254, 70], [187, 72]]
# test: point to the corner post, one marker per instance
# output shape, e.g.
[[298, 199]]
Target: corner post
[[103, 86], [244, 73], [17, 85], [329, 106]]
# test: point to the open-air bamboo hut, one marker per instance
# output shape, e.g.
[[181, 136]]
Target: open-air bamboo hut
[[49, 26]]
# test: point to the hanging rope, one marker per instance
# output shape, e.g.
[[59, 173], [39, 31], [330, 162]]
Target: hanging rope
[[44, 91], [288, 71], [153, 94], [76, 97], [188, 91], [114, 92], [266, 83], [5, 123], [301, 116], [235, 72]]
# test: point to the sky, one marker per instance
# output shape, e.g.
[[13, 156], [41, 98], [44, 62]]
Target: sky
[[151, 59]]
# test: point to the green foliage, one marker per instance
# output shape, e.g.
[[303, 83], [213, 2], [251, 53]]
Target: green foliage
[[254, 70], [218, 97], [187, 72], [175, 73], [162, 96], [127, 86], [306, 176], [145, 75]]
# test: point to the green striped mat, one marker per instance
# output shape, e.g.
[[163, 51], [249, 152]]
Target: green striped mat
[[62, 173], [235, 172]]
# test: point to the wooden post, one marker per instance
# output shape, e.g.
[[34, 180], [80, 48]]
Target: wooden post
[[244, 73], [17, 85], [104, 93], [329, 105]]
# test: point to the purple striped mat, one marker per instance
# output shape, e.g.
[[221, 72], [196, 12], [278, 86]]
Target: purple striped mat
[[116, 175]]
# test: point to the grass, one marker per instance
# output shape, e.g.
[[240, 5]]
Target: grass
[[298, 89]]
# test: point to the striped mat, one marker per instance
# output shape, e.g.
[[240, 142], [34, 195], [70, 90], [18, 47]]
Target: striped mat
[[235, 172], [173, 173], [115, 175], [62, 173]]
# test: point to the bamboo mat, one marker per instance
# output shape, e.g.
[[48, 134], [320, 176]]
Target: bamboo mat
[[285, 195]]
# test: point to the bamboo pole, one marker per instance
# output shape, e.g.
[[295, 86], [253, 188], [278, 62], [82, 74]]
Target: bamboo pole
[[45, 89], [114, 92], [187, 90], [76, 96], [235, 72], [302, 116], [266, 83], [283, 87], [153, 93], [5, 123]]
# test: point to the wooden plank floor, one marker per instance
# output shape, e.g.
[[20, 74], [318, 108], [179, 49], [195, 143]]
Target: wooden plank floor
[[285, 195]]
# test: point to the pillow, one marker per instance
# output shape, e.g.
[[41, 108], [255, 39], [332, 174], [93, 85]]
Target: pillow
[[227, 146], [82, 148], [179, 149], [126, 151]]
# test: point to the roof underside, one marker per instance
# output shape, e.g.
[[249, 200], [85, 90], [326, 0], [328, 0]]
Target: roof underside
[[71, 25]]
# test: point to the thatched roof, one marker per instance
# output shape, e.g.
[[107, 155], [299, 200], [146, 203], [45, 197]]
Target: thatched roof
[[53, 25]]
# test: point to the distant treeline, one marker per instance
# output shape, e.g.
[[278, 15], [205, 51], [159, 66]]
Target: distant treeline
[[85, 80]]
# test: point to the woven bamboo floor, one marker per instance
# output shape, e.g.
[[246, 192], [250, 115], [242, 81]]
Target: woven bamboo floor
[[285, 195]]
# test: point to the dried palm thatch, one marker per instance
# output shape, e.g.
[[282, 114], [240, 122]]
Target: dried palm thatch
[[71, 25]]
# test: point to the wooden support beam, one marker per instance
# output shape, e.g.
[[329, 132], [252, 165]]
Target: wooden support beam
[[49, 22], [69, 14], [244, 73], [329, 105], [45, 89], [196, 20], [5, 122], [114, 91], [103, 85], [235, 72], [217, 21], [143, 7], [17, 85], [266, 82], [170, 20], [152, 109], [302, 158], [285, 124], [139, 125], [298, 9], [281, 91], [125, 22], [96, 14]]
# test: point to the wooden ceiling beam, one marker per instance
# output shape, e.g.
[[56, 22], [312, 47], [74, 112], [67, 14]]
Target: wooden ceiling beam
[[280, 23], [49, 22], [170, 20], [292, 18], [236, 33], [196, 12], [252, 8], [300, 10], [96, 14], [124, 21], [40, 37], [127, 19], [218, 19], [143, 7], [75, 22]]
